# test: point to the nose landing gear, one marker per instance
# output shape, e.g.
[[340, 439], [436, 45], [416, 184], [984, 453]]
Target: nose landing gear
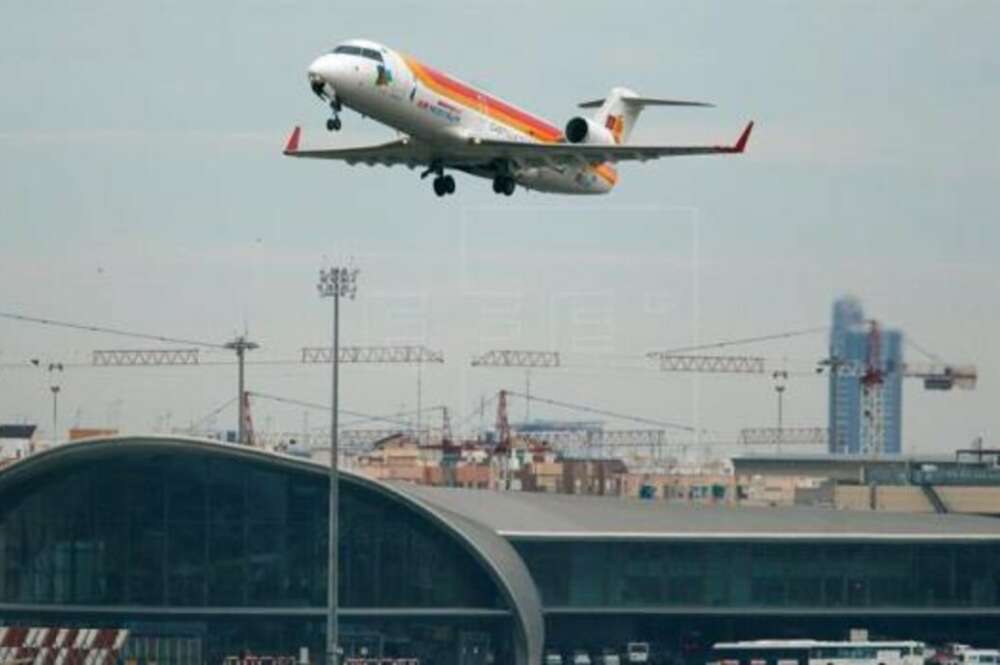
[[333, 123]]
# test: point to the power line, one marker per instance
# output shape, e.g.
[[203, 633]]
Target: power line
[[109, 331], [745, 340], [198, 423], [324, 407], [477, 411], [930, 355], [602, 412]]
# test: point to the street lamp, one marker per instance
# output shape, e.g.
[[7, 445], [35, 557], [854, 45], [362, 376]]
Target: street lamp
[[780, 377], [334, 283], [54, 388], [241, 345]]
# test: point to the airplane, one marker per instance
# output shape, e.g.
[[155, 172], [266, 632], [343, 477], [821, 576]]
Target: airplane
[[445, 124]]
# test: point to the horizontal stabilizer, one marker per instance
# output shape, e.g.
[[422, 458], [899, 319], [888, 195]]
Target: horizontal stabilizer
[[645, 101]]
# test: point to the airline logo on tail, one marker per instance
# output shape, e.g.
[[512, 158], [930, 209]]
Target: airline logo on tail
[[615, 124]]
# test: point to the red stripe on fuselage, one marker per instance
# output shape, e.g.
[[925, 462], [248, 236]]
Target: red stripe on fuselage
[[480, 101], [498, 110]]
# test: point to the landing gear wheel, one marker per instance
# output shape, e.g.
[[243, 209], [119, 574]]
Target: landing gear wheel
[[333, 124], [440, 187], [444, 184], [504, 185]]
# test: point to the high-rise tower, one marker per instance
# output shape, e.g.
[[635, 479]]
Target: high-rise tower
[[850, 415]]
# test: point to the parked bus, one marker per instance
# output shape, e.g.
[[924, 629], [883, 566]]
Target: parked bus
[[814, 652]]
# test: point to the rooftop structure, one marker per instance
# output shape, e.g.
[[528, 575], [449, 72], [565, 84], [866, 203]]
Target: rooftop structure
[[223, 545]]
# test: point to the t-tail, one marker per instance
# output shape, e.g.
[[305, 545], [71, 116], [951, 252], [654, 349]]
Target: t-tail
[[619, 111]]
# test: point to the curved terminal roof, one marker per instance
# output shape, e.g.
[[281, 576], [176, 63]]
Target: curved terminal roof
[[524, 516], [486, 521], [493, 551]]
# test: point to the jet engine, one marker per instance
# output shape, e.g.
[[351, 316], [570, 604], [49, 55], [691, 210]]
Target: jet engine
[[583, 130]]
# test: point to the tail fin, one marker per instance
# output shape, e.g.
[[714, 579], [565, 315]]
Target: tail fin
[[620, 110]]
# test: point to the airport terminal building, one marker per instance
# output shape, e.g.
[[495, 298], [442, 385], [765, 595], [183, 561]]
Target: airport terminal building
[[222, 548]]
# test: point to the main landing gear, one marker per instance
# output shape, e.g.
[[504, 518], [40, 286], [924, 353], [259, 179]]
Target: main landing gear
[[504, 184], [443, 184]]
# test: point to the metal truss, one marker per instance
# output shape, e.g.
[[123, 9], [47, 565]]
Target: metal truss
[[612, 437], [137, 357], [934, 376], [803, 436], [508, 358], [372, 354], [708, 364]]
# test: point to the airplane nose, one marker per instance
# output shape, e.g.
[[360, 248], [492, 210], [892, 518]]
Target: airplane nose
[[322, 72]]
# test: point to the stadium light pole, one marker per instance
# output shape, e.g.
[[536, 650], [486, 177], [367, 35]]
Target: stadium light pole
[[334, 283], [241, 345], [54, 389], [780, 377]]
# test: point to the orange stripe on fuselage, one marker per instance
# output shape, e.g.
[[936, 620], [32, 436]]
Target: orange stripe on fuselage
[[497, 110], [484, 103]]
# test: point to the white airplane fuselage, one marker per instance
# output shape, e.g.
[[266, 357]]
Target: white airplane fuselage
[[445, 114]]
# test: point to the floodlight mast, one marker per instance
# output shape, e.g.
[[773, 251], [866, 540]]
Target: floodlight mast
[[333, 283], [241, 345]]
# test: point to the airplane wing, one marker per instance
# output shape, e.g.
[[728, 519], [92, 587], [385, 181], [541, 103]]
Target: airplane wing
[[401, 151], [549, 154], [410, 153]]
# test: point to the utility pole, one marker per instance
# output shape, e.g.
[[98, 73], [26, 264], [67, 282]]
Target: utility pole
[[334, 283], [241, 345]]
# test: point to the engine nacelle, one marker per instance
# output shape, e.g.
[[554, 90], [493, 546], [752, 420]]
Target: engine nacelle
[[584, 130]]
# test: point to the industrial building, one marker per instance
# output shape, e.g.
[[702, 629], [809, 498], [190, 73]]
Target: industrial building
[[192, 541]]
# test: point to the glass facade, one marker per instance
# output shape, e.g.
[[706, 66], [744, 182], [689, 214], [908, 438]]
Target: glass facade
[[849, 343], [197, 533], [811, 575], [202, 556]]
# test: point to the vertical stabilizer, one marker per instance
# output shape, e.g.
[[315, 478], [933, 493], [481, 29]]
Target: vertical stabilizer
[[619, 111], [617, 115]]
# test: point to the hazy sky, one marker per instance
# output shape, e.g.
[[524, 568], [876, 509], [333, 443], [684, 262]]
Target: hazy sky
[[142, 187]]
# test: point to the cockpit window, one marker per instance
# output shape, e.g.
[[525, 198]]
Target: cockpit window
[[369, 53]]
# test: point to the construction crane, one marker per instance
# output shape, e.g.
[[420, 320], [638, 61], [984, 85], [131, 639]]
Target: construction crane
[[670, 362], [411, 354], [527, 360], [590, 436], [131, 357], [767, 436], [372, 354], [873, 374]]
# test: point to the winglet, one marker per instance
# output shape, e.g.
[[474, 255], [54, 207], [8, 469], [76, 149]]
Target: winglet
[[293, 141], [741, 144]]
